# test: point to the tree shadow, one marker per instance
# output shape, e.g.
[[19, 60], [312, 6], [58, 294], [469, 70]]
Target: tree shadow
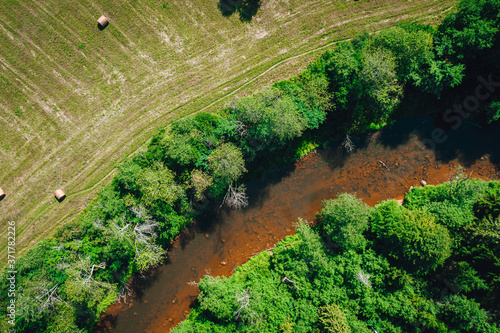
[[464, 140], [143, 281], [400, 132], [246, 9], [107, 323], [335, 155], [228, 7], [469, 142]]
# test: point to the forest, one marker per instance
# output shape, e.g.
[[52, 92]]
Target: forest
[[374, 268]]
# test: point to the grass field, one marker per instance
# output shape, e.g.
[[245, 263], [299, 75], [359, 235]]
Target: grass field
[[76, 100]]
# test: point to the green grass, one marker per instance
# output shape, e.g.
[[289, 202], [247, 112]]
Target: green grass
[[76, 100]]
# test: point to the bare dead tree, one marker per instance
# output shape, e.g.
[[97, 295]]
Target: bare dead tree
[[89, 279], [145, 232], [98, 224], [36, 297], [147, 253], [240, 128], [364, 278], [235, 197], [119, 231], [138, 211], [243, 300], [348, 144], [48, 297], [124, 293], [84, 274]]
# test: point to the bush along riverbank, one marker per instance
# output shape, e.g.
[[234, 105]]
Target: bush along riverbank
[[65, 282], [430, 265]]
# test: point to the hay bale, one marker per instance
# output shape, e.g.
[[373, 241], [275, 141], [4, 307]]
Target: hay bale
[[60, 195], [2, 194], [102, 22]]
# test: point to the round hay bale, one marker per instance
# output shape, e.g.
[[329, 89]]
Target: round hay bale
[[2, 194], [102, 22], [60, 195]]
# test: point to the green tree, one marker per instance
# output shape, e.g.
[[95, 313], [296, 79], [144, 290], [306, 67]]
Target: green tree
[[470, 35], [493, 111], [64, 320], [342, 68], [271, 118], [411, 237], [344, 220], [226, 163], [179, 149], [332, 319], [126, 179], [416, 63], [379, 76], [200, 182], [464, 315], [284, 120], [218, 297], [158, 184]]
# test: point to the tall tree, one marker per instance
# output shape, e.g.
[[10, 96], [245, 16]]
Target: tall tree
[[411, 236], [158, 184], [226, 163], [344, 220]]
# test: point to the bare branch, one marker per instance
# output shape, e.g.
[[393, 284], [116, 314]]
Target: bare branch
[[235, 197], [348, 144], [286, 279], [192, 283], [124, 293], [364, 278], [384, 165], [138, 211], [244, 300], [98, 224], [48, 297]]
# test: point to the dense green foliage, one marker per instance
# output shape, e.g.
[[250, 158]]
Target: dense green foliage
[[409, 278], [344, 220], [411, 236], [65, 282]]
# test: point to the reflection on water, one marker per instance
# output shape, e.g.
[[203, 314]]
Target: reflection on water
[[384, 166]]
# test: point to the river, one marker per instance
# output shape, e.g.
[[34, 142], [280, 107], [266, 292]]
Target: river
[[384, 165]]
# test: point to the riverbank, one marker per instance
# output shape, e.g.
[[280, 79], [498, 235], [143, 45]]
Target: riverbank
[[292, 191]]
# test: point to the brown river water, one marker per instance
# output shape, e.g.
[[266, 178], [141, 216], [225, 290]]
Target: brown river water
[[384, 166]]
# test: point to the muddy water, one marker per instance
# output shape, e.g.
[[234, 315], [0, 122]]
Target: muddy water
[[384, 166]]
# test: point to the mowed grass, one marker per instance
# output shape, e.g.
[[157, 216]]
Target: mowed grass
[[75, 100]]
